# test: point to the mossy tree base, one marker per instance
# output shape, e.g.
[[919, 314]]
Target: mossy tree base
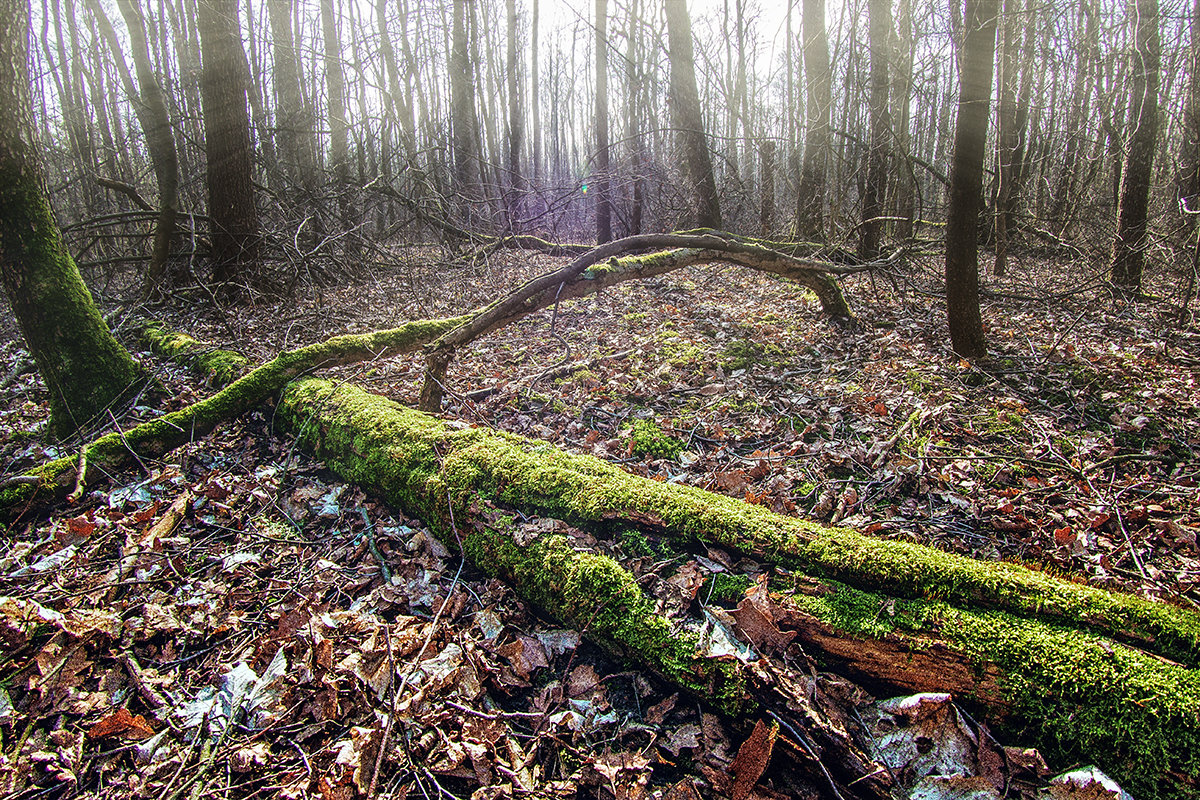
[[1049, 657]]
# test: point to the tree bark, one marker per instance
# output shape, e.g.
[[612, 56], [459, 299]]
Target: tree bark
[[1129, 247], [966, 180], [151, 112], [810, 202], [85, 370], [234, 233], [295, 122], [464, 121], [516, 127], [600, 176], [1188, 178], [687, 117], [335, 82], [879, 36]]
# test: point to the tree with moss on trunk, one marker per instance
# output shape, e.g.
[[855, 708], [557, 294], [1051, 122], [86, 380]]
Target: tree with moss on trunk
[[966, 179], [85, 370]]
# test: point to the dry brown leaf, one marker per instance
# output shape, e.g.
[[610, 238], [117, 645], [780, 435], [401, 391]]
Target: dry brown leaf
[[752, 759], [123, 724]]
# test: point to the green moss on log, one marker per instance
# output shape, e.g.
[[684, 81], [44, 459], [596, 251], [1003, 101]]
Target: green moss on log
[[537, 477], [221, 367], [395, 451], [159, 436], [1082, 697]]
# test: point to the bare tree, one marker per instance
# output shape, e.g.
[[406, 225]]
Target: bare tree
[[686, 114], [819, 99], [1130, 244], [879, 36], [234, 231], [966, 179], [600, 179], [464, 121]]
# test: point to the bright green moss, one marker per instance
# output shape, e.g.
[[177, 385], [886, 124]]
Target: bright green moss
[[650, 440], [221, 367], [395, 451], [1080, 697], [584, 490]]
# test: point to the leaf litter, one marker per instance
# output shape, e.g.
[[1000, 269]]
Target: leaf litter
[[236, 622]]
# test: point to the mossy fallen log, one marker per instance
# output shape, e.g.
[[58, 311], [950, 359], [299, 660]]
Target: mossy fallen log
[[71, 475], [1026, 648]]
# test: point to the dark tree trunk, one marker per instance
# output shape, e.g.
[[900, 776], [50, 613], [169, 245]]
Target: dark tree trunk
[[160, 142], [464, 122], [1129, 246], [600, 181], [151, 111], [534, 98], [335, 84], [85, 370], [233, 223], [295, 123], [766, 222], [902, 79], [810, 216], [879, 35], [1188, 178], [966, 179], [687, 117], [516, 128]]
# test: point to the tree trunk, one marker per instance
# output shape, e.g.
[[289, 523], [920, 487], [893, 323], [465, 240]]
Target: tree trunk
[[1188, 179], [464, 122], [686, 115], [600, 177], [85, 370], [534, 96], [902, 79], [766, 219], [516, 128], [879, 36], [966, 179], [1129, 248], [233, 219], [810, 202], [295, 122], [335, 82], [151, 111]]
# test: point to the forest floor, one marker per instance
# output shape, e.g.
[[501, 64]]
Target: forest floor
[[257, 609]]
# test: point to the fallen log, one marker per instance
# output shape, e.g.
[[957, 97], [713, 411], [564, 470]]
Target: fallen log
[[1073, 666], [69, 477], [625, 260]]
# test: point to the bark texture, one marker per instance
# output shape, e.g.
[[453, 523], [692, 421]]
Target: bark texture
[[223, 81], [1129, 248], [966, 180], [687, 117], [810, 216], [85, 370]]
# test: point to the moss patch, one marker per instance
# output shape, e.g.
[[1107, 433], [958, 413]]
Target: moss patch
[[650, 440], [1081, 697]]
